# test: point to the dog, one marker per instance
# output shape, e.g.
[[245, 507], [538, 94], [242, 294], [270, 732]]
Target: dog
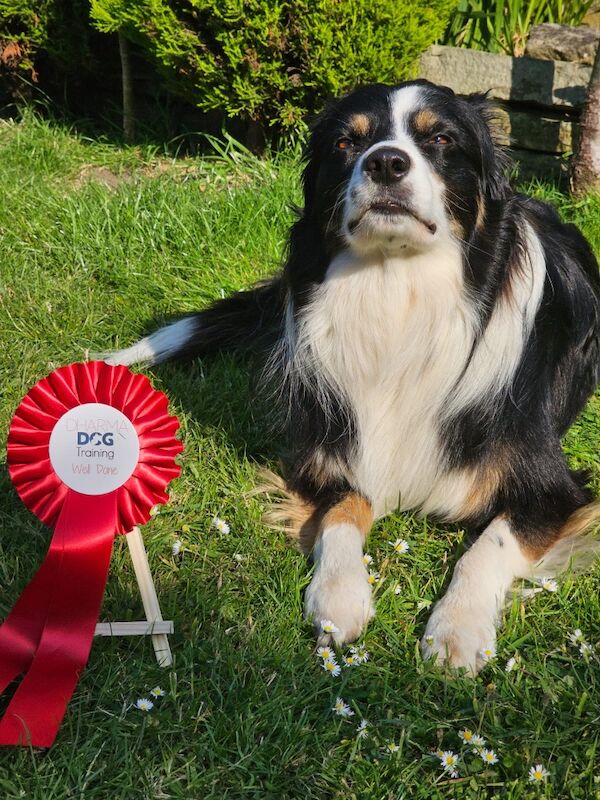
[[432, 336]]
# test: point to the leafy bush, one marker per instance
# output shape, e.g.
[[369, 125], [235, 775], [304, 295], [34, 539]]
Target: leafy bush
[[275, 61], [504, 25], [56, 28]]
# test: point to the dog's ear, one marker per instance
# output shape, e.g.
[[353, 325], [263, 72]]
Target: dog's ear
[[318, 127], [494, 161]]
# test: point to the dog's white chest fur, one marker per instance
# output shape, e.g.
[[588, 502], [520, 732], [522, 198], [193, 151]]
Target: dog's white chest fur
[[394, 337]]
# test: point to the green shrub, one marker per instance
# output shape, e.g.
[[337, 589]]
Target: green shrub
[[275, 61], [504, 25], [56, 28]]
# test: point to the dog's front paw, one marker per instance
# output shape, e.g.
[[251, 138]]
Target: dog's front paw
[[461, 636], [344, 599]]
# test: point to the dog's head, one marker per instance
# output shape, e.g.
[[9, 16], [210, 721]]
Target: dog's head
[[396, 168]]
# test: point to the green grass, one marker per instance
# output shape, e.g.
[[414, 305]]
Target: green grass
[[85, 267]]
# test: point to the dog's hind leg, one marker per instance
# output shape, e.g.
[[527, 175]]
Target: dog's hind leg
[[340, 591]]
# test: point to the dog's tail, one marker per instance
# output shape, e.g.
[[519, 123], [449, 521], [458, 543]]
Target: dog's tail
[[246, 320]]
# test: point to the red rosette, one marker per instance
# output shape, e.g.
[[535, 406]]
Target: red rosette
[[29, 466], [48, 634]]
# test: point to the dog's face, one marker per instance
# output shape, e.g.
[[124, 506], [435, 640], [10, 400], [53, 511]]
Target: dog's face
[[397, 168]]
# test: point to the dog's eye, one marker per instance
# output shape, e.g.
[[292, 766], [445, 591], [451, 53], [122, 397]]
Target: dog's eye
[[440, 138], [344, 143]]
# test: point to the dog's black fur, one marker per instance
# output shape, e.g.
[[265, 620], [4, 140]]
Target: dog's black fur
[[509, 434]]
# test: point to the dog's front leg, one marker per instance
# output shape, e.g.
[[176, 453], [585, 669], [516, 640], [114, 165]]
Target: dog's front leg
[[340, 590], [463, 623]]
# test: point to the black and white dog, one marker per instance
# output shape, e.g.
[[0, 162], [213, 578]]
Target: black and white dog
[[433, 335]]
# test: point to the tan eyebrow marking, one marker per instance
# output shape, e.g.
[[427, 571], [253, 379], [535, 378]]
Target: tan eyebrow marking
[[425, 120], [360, 124]]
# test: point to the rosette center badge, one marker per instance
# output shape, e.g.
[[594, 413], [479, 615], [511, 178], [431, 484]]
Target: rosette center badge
[[94, 448]]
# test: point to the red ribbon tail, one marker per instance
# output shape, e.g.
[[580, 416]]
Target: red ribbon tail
[[60, 608], [21, 632]]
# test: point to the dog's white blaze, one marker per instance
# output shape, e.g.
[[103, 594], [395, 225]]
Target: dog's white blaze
[[393, 336], [156, 347], [403, 103], [465, 619]]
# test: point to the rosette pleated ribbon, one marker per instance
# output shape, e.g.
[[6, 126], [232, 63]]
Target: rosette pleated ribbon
[[91, 449]]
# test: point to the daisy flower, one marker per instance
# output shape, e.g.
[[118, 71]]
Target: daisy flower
[[576, 636], [373, 577], [144, 704], [220, 525], [449, 760], [510, 664], [548, 584], [586, 649], [400, 546], [327, 626], [397, 589], [176, 547], [488, 757], [367, 559], [538, 774], [332, 667], [157, 692], [326, 653], [392, 747], [360, 653], [488, 653], [350, 660], [342, 709], [478, 742], [466, 735], [361, 728]]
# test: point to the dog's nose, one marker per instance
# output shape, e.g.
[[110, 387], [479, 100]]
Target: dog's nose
[[387, 165]]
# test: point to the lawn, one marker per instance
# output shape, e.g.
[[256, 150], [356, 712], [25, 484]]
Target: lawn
[[101, 243]]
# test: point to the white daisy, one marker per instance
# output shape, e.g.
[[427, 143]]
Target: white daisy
[[466, 735], [327, 626], [488, 757], [397, 589], [144, 704], [392, 747], [576, 636], [373, 577], [449, 760], [510, 664], [586, 649], [176, 547], [350, 660], [360, 653], [538, 774], [326, 653], [548, 584], [332, 667], [220, 525], [362, 727], [488, 653], [478, 742], [400, 546], [367, 559], [342, 709], [157, 692]]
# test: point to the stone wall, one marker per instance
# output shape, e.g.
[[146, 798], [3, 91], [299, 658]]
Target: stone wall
[[539, 100]]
